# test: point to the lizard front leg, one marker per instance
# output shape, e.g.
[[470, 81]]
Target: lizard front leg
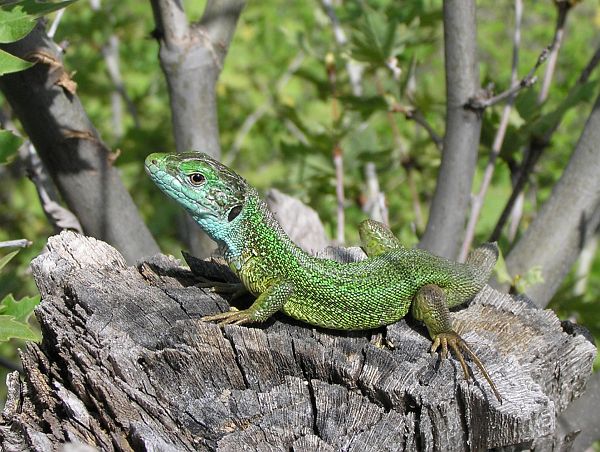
[[429, 306], [267, 304]]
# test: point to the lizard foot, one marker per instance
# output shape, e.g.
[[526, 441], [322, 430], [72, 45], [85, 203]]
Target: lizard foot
[[457, 344], [232, 317]]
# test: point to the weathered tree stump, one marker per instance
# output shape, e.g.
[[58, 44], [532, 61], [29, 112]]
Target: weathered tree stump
[[125, 364]]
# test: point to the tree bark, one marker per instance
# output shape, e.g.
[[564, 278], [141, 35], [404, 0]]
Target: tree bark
[[192, 57], [71, 148], [583, 415], [448, 212], [125, 364], [567, 219]]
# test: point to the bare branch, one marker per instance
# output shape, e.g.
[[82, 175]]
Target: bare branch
[[567, 219], [559, 32], [584, 265], [171, 21], [110, 51], [338, 163], [514, 206], [72, 150], [192, 58], [59, 217], [536, 148], [338, 31], [459, 155], [415, 115], [516, 86], [589, 68], [19, 243], [55, 23], [219, 20], [477, 202]]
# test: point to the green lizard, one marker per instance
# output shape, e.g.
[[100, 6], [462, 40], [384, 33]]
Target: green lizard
[[377, 291]]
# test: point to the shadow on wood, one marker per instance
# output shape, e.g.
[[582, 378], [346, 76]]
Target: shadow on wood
[[125, 364]]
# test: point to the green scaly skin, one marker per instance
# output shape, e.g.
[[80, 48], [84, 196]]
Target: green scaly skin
[[352, 296]]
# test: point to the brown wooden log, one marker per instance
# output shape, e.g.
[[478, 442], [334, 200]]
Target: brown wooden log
[[126, 365]]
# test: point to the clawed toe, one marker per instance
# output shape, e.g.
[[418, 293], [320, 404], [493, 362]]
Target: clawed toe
[[457, 344], [232, 317]]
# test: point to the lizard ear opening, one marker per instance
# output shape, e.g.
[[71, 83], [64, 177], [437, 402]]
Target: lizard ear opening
[[234, 212]]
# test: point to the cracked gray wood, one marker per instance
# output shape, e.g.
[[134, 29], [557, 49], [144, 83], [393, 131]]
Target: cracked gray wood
[[126, 365]]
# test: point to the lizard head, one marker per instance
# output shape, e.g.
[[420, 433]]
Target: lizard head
[[212, 193]]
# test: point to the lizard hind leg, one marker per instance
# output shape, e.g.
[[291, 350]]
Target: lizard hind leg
[[376, 238], [429, 306]]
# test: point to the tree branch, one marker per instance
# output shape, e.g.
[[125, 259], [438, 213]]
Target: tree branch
[[536, 145], [477, 103], [415, 115], [18, 243], [192, 58], [567, 219], [536, 148], [459, 155], [583, 415], [71, 148], [59, 217], [477, 202], [171, 22], [563, 9], [111, 57]]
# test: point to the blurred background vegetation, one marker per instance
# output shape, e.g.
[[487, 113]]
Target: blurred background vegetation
[[286, 99]]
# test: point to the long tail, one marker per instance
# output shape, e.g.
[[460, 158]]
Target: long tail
[[482, 260]]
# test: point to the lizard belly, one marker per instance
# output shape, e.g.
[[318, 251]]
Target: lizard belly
[[348, 310]]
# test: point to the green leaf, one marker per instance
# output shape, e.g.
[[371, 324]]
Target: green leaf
[[527, 104], [365, 105], [6, 259], [9, 145], [21, 310], [15, 23], [11, 328], [10, 63], [531, 277], [580, 93], [376, 39], [17, 19]]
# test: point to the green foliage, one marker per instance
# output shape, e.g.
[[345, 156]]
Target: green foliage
[[17, 19], [14, 315], [11, 328], [6, 259], [9, 63], [9, 145], [375, 39]]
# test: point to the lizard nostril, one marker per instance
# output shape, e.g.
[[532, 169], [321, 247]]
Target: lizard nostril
[[154, 161]]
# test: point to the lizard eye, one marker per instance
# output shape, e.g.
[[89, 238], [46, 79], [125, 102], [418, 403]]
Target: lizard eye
[[196, 179]]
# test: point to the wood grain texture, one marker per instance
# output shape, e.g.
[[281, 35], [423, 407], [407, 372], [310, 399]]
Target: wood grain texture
[[126, 365]]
